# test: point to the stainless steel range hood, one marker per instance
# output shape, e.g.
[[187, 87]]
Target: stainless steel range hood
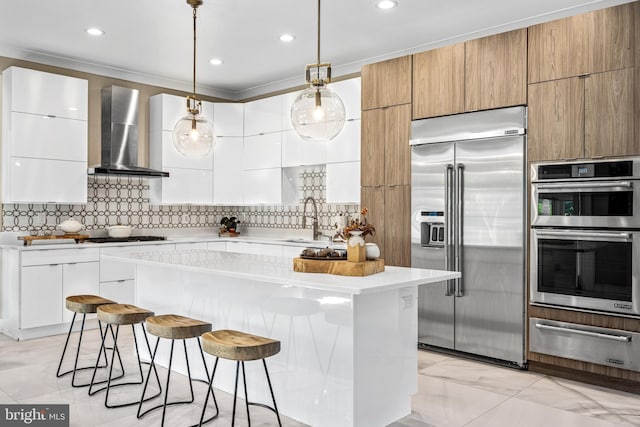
[[120, 135]]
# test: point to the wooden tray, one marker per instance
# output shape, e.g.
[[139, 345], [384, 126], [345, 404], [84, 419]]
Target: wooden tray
[[341, 267], [229, 234], [79, 238]]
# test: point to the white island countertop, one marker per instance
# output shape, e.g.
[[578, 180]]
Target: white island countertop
[[278, 270]]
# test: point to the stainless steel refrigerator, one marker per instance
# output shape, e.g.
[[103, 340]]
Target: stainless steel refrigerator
[[468, 207]]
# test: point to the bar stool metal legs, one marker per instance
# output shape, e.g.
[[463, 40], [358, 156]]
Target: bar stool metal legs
[[241, 347], [118, 314], [81, 304], [176, 327]]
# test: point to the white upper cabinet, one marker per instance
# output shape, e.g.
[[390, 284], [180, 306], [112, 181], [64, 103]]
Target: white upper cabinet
[[345, 147], [298, 152], [262, 151], [48, 138], [343, 182], [37, 92], [263, 116], [165, 110], [190, 179], [227, 172], [349, 92], [287, 102], [44, 137], [262, 186], [228, 119], [183, 186]]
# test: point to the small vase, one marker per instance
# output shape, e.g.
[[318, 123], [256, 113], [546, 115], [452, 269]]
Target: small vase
[[356, 249], [372, 250]]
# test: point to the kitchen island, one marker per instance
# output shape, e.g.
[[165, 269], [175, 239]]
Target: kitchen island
[[348, 354]]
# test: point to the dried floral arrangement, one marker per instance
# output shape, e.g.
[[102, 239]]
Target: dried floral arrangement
[[357, 224]]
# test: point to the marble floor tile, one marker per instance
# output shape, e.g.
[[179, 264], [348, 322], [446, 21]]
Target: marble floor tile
[[585, 399], [451, 392], [520, 413], [429, 358], [497, 379], [446, 403]]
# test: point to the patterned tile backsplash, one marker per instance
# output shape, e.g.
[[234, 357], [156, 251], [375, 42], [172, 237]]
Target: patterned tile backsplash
[[125, 200]]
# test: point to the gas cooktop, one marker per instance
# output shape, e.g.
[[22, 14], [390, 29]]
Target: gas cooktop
[[125, 239]]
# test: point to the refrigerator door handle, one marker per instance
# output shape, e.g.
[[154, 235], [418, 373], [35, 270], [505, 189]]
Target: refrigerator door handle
[[459, 290], [448, 223]]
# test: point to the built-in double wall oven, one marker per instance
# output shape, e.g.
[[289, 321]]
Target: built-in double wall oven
[[585, 235]]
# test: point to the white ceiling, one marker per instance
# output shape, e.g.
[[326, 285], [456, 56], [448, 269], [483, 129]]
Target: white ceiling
[[150, 41]]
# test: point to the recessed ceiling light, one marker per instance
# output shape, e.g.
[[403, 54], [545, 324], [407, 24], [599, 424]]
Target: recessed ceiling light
[[287, 38], [215, 61], [94, 31], [387, 4]]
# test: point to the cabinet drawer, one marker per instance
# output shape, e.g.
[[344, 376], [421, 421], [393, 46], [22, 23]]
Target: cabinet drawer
[[610, 347], [59, 256], [121, 291]]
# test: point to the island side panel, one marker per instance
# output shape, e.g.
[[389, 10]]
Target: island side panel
[[385, 352], [313, 373]]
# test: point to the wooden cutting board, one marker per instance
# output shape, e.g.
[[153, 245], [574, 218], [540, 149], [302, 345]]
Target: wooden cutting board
[[79, 238], [339, 267]]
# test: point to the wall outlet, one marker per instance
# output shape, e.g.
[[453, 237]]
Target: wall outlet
[[185, 218], [41, 217]]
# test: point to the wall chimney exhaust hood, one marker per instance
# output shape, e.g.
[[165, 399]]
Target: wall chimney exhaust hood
[[120, 135]]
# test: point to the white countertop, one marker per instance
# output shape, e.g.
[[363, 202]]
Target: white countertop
[[71, 244], [279, 270]]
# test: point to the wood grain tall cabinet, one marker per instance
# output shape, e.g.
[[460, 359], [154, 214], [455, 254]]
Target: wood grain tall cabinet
[[584, 85], [386, 156], [584, 101]]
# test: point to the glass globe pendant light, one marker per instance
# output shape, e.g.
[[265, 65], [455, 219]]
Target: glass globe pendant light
[[193, 135], [318, 114]]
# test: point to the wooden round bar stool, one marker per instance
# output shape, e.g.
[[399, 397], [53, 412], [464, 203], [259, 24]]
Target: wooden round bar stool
[[241, 347], [83, 304], [174, 327], [117, 315]]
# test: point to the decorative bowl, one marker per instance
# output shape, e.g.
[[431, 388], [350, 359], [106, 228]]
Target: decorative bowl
[[71, 226], [119, 231]]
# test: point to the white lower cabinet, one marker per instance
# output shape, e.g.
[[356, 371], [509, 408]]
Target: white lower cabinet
[[254, 248], [217, 246], [79, 279], [47, 277], [120, 291], [40, 288]]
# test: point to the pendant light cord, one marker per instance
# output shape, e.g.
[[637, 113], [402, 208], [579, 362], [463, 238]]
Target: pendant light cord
[[194, 50], [318, 37]]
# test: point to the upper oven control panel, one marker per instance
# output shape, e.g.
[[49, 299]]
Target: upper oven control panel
[[602, 169]]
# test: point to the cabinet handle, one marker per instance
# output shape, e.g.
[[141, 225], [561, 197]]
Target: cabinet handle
[[50, 116], [53, 265], [121, 281], [620, 338]]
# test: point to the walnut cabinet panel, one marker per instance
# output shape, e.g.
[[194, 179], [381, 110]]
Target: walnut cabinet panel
[[385, 151], [594, 42], [556, 120], [480, 74], [438, 82], [495, 71], [386, 83]]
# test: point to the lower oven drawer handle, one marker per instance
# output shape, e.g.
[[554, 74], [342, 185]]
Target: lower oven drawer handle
[[570, 187], [620, 338], [576, 235]]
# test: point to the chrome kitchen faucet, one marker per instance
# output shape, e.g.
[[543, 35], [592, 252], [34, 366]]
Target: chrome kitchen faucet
[[316, 233]]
